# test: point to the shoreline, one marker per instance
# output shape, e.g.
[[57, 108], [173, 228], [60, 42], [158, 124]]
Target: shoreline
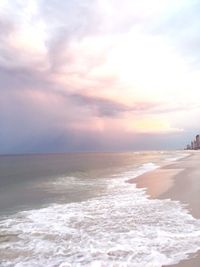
[[180, 181]]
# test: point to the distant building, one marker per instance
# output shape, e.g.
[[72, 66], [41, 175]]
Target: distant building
[[192, 145], [188, 147], [197, 141], [195, 144]]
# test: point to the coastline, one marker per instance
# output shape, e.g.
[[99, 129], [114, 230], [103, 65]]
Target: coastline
[[180, 181]]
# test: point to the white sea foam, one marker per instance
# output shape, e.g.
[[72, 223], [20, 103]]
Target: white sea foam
[[121, 228], [178, 157]]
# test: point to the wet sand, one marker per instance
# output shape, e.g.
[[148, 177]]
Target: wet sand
[[177, 181]]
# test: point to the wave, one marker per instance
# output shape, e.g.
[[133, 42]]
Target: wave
[[122, 228]]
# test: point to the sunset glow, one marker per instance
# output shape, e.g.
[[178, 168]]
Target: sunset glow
[[75, 69]]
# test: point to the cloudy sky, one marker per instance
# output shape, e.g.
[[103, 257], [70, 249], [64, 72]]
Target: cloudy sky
[[82, 75]]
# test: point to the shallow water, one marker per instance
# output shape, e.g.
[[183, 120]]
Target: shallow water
[[107, 222]]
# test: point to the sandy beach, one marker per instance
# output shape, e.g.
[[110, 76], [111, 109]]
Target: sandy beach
[[180, 181]]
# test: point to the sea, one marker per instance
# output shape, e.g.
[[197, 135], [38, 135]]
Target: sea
[[78, 209]]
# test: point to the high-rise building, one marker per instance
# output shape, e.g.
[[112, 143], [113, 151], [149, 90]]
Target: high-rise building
[[188, 147], [197, 141], [195, 144], [192, 145]]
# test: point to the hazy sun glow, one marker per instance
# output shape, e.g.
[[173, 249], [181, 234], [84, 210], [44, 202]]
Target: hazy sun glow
[[106, 66]]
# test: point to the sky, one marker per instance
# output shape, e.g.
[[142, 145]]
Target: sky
[[98, 75]]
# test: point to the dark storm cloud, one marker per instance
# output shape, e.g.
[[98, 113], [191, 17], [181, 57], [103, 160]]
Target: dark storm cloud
[[109, 108], [102, 107]]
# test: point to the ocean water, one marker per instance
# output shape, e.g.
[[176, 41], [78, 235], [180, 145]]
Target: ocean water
[[79, 210]]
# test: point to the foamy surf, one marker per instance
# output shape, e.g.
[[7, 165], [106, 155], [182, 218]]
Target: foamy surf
[[121, 228]]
